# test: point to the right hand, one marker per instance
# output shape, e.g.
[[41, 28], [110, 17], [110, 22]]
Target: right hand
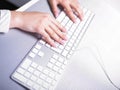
[[41, 23]]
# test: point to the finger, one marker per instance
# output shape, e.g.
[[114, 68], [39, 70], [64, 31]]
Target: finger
[[58, 25], [54, 7], [53, 35], [58, 31], [47, 38], [69, 12], [79, 11]]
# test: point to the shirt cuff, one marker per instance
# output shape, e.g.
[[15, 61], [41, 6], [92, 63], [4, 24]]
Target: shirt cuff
[[5, 16]]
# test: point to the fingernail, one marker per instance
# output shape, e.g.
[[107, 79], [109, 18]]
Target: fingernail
[[53, 45], [65, 38], [74, 20], [62, 42], [64, 29], [82, 17], [56, 14]]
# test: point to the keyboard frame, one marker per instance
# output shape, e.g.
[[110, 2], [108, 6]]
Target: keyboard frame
[[47, 46]]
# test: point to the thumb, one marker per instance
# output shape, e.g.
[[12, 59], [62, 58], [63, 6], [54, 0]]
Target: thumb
[[54, 7]]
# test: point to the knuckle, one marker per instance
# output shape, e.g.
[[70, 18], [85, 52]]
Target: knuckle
[[65, 2], [77, 6], [58, 39], [47, 37], [53, 34], [69, 11], [63, 35], [46, 16], [38, 29]]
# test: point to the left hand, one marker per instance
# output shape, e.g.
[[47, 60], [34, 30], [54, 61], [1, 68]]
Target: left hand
[[69, 7]]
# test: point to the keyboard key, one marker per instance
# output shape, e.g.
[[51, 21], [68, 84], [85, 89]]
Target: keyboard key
[[34, 65], [64, 53], [48, 45], [41, 54], [72, 41], [50, 65], [30, 83], [21, 71], [49, 80], [60, 71], [46, 71], [61, 47], [20, 77], [58, 64], [73, 48], [40, 68], [31, 70], [27, 74], [37, 73], [51, 74], [52, 60], [74, 38], [61, 60], [42, 42], [65, 21], [43, 76], [31, 54], [55, 56], [61, 16], [72, 30], [56, 49], [45, 85], [36, 87], [35, 50], [69, 33], [67, 48], [67, 28], [55, 68], [38, 46], [33, 78], [40, 81], [26, 63], [68, 36], [68, 56], [65, 62], [84, 10], [71, 52], [56, 44], [69, 24], [63, 67]]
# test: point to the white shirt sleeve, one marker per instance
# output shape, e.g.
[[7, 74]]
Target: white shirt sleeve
[[5, 16]]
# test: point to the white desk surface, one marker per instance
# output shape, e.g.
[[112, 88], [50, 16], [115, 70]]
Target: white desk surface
[[92, 38]]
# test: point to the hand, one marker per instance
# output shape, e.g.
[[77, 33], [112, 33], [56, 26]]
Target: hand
[[69, 6], [41, 23]]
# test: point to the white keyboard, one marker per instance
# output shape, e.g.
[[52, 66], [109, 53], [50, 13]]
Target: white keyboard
[[43, 66]]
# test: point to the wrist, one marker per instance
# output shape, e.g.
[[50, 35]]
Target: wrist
[[16, 19]]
